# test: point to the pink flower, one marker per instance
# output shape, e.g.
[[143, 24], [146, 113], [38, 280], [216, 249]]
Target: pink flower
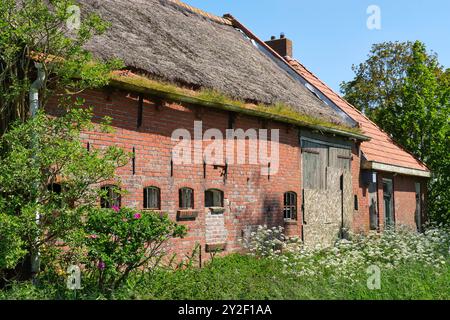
[[115, 208], [137, 216], [101, 265], [93, 236]]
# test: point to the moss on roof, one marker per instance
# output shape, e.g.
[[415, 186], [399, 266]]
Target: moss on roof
[[176, 43], [214, 99]]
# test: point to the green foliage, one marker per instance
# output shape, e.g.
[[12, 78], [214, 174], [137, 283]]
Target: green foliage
[[36, 30], [412, 266], [47, 171], [11, 245], [406, 92], [120, 241], [378, 81], [238, 277]]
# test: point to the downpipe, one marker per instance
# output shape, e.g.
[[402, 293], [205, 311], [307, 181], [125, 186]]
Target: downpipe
[[34, 107]]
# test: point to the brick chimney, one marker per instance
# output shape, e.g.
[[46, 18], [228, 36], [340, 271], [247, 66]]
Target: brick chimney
[[282, 46]]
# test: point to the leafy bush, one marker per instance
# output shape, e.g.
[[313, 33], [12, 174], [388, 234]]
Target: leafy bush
[[48, 181], [120, 241], [11, 245]]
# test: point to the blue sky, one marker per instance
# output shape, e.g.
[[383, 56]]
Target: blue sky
[[329, 36]]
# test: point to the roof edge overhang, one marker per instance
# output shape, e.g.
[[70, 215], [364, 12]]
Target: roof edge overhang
[[172, 96], [384, 167]]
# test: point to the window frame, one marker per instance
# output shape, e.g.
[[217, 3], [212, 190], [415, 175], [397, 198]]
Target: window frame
[[289, 207], [180, 198], [113, 202], [145, 205]]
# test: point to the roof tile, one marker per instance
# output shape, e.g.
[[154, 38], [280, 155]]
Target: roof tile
[[382, 148]]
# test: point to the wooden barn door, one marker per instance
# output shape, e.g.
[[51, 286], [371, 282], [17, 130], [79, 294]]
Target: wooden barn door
[[327, 191]]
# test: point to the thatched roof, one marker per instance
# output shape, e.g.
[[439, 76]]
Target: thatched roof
[[171, 42]]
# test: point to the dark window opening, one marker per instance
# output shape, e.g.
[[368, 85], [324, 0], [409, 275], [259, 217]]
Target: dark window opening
[[140, 111], [388, 199], [356, 202], [231, 120], [152, 198], [186, 198], [418, 215], [111, 197], [290, 206], [213, 198], [55, 187]]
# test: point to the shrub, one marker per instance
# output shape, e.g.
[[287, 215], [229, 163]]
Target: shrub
[[11, 245], [120, 241], [47, 172]]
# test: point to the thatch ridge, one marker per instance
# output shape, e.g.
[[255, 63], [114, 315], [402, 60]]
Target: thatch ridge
[[173, 43]]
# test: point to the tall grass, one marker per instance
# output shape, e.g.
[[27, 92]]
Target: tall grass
[[413, 266]]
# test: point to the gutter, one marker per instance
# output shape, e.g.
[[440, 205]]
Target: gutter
[[34, 89], [378, 166], [172, 96]]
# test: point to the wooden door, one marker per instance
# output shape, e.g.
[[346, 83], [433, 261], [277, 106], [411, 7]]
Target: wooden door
[[327, 192]]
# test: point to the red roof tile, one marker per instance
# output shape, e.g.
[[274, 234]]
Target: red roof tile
[[381, 148]]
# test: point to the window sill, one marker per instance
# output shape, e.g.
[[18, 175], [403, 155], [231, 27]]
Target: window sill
[[160, 212], [188, 214], [212, 248], [217, 210], [290, 222]]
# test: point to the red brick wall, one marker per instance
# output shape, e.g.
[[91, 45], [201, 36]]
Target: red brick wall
[[250, 198], [404, 199], [361, 221]]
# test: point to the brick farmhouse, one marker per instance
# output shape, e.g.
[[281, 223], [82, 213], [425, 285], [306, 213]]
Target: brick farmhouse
[[187, 69]]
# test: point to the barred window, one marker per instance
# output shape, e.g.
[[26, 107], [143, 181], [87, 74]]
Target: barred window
[[213, 198], [152, 198], [111, 197], [290, 206], [186, 198]]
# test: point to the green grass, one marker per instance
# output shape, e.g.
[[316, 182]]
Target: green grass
[[239, 277]]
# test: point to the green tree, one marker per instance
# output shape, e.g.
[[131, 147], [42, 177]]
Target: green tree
[[406, 92], [48, 181], [38, 31], [48, 36]]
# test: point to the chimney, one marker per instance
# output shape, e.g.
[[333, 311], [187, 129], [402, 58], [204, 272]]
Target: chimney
[[282, 46]]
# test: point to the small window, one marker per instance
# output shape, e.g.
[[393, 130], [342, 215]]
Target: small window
[[111, 197], [186, 198], [290, 206], [356, 202], [55, 188], [213, 198], [152, 198]]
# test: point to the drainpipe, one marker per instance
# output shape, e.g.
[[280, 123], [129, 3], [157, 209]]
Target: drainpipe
[[34, 107], [34, 89]]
